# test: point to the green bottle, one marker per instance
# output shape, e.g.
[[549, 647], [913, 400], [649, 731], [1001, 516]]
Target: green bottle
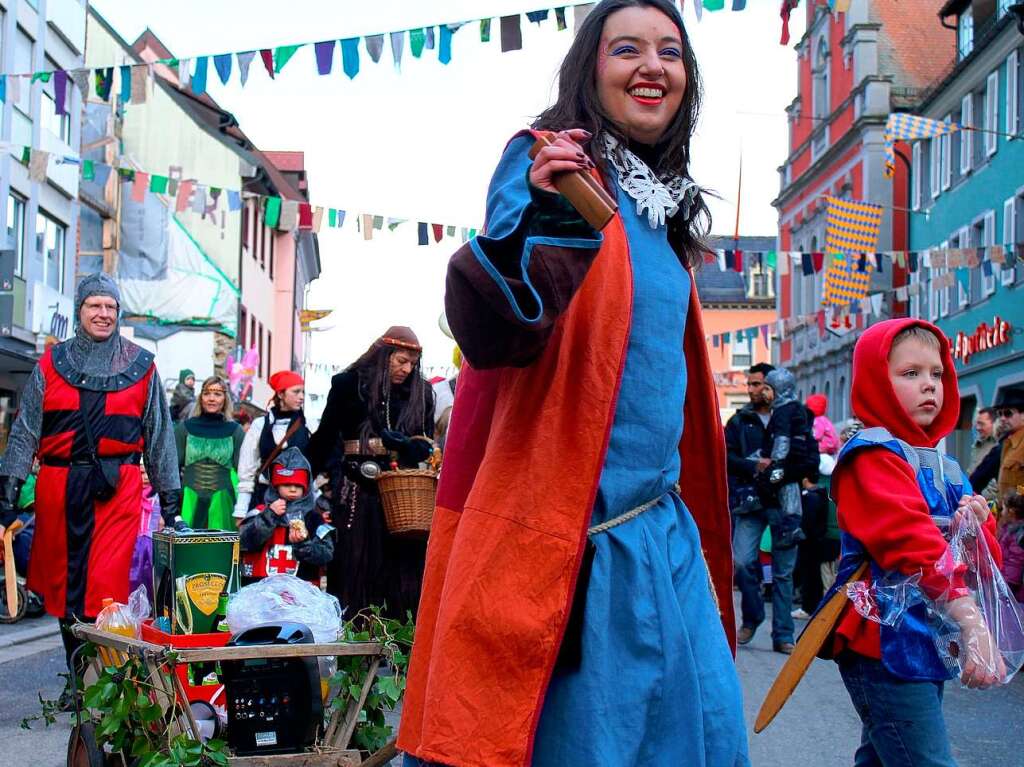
[[221, 622]]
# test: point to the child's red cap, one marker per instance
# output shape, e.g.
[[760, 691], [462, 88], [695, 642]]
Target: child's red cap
[[282, 475]]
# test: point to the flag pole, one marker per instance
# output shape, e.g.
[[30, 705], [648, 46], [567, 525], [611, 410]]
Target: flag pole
[[739, 199]]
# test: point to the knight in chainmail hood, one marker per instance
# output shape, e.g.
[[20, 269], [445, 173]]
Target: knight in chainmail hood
[[92, 408], [788, 437]]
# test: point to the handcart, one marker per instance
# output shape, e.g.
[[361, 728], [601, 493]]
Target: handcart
[[162, 661]]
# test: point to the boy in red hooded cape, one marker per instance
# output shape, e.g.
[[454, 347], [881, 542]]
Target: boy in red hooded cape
[[893, 490]]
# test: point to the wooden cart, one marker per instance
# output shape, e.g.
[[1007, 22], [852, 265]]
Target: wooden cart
[[161, 661]]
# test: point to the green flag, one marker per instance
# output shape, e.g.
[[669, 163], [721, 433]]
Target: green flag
[[714, 5], [88, 170], [485, 30], [283, 54], [272, 212], [332, 217], [416, 41], [770, 259], [158, 184]]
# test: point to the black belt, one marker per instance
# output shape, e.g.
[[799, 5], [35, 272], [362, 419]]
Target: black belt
[[131, 458]]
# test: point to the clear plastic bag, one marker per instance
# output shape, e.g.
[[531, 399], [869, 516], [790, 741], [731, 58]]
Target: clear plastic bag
[[122, 619], [280, 598], [886, 600], [993, 626], [979, 634]]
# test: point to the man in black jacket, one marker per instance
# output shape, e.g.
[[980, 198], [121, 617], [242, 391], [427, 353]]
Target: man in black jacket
[[744, 434], [744, 437]]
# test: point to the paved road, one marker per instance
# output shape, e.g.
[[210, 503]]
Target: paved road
[[818, 728], [22, 680]]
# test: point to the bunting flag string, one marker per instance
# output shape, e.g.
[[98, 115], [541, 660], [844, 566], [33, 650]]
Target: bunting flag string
[[193, 72], [133, 78], [948, 269]]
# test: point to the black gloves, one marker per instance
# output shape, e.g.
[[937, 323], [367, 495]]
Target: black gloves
[[170, 510], [10, 489], [411, 451]]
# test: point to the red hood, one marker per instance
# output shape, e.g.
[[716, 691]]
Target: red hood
[[817, 404], [874, 401]]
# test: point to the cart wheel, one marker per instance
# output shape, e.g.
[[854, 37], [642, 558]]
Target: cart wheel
[[82, 748], [19, 613]]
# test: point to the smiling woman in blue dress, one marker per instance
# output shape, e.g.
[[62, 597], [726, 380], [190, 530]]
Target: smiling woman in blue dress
[[568, 616]]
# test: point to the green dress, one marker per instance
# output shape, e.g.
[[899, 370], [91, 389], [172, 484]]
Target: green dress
[[208, 455]]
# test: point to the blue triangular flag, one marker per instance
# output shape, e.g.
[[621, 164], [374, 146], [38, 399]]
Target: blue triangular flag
[[350, 56], [222, 64]]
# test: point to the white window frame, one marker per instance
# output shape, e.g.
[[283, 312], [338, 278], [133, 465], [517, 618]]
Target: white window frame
[[737, 343], [933, 298], [16, 221], [945, 295], [934, 162], [967, 136], [914, 278], [21, 37], [1006, 276], [965, 32], [1012, 118], [916, 168], [991, 113], [960, 240], [947, 156], [59, 126], [988, 284], [42, 219]]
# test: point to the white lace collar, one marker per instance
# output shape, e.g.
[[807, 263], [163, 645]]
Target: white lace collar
[[659, 198]]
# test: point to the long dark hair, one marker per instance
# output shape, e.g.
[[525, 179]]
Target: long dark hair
[[578, 106], [414, 394]]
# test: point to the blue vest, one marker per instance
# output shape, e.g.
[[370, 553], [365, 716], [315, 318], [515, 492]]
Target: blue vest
[[908, 649]]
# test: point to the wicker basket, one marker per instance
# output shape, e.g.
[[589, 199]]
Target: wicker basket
[[408, 499]]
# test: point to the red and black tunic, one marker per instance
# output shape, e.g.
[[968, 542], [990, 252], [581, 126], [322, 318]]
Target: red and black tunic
[[83, 547]]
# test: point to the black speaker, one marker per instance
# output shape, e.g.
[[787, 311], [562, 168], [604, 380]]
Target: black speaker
[[274, 704]]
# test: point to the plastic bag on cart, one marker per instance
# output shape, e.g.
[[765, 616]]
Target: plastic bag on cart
[[987, 625], [122, 619], [280, 598]]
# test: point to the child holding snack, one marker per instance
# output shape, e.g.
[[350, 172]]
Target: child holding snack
[[287, 534]]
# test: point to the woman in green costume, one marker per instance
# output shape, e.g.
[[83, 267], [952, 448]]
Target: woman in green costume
[[208, 444]]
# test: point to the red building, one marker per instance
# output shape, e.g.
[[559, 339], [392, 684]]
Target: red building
[[854, 68]]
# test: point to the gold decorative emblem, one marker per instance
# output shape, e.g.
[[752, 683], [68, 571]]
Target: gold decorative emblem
[[204, 590]]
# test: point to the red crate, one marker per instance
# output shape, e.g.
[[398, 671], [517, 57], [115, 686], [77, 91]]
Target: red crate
[[209, 693]]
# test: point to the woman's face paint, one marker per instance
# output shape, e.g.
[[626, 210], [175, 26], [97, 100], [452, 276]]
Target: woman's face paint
[[640, 72]]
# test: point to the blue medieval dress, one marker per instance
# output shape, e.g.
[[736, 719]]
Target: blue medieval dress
[[655, 682]]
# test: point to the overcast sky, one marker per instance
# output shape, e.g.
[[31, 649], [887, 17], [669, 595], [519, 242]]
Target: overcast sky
[[421, 142]]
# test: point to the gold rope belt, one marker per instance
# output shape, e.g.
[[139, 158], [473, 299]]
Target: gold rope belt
[[631, 514]]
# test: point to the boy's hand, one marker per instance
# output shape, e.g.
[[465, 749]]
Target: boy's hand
[[982, 664], [983, 667], [297, 536], [977, 505], [763, 463], [279, 507]]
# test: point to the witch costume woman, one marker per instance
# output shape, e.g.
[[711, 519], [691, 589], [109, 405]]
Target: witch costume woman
[[577, 600], [373, 410]]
